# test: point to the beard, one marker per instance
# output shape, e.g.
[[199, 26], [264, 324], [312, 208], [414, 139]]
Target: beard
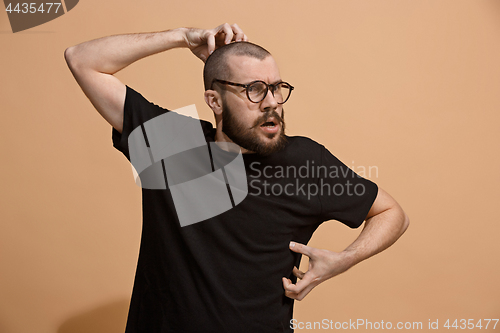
[[246, 138]]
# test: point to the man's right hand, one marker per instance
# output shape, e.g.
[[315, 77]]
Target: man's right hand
[[203, 42]]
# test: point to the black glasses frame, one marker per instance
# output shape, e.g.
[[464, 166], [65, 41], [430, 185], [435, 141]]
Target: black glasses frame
[[270, 86]]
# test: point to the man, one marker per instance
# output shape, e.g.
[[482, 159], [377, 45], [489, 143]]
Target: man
[[236, 271]]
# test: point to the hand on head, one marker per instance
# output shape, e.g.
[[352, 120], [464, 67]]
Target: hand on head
[[203, 42]]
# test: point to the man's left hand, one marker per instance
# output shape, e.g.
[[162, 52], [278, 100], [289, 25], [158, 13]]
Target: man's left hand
[[323, 265]]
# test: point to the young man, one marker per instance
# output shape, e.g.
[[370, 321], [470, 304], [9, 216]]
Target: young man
[[235, 271]]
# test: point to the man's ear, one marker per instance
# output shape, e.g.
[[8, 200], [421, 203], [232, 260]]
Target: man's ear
[[214, 101]]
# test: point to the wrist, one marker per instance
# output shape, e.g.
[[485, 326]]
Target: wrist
[[350, 257], [177, 37]]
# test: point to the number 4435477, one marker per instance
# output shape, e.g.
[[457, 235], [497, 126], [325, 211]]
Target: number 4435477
[[471, 324], [32, 7]]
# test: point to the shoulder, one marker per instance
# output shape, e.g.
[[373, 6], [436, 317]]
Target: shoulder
[[300, 148], [303, 144], [147, 110]]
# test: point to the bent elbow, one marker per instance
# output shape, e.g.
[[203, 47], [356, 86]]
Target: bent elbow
[[406, 223], [69, 56]]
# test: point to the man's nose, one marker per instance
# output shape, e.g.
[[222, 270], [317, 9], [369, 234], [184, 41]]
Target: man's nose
[[269, 102]]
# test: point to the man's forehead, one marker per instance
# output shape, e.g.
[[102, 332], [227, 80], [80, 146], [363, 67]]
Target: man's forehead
[[246, 69]]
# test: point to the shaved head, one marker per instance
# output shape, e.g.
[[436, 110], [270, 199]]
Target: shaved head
[[216, 66]]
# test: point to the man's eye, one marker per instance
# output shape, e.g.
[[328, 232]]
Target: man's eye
[[256, 89]]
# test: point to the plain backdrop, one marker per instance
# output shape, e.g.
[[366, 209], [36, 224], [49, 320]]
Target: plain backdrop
[[408, 88]]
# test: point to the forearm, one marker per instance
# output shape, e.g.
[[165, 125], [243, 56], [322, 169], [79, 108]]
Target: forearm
[[380, 232], [113, 53]]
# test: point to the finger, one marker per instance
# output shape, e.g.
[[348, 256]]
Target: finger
[[296, 294], [290, 294], [301, 248], [298, 273], [289, 286], [211, 43], [300, 296], [286, 284], [227, 31], [240, 36], [301, 285]]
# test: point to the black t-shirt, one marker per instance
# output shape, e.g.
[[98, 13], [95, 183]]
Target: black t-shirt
[[224, 274]]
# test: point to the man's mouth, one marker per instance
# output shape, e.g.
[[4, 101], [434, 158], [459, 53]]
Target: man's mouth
[[270, 123], [270, 126]]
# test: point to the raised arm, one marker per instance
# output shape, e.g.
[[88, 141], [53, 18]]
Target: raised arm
[[93, 63]]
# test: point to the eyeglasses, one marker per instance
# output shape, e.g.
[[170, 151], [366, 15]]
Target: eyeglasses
[[257, 90]]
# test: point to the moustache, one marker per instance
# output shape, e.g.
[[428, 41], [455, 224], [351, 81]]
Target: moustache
[[266, 116]]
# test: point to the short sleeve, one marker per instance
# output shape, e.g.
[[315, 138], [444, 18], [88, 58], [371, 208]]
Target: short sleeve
[[137, 110], [344, 196]]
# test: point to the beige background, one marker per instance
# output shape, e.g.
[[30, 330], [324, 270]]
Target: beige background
[[408, 87]]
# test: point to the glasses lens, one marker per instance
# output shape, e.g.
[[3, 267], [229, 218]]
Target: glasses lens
[[282, 92], [256, 91]]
